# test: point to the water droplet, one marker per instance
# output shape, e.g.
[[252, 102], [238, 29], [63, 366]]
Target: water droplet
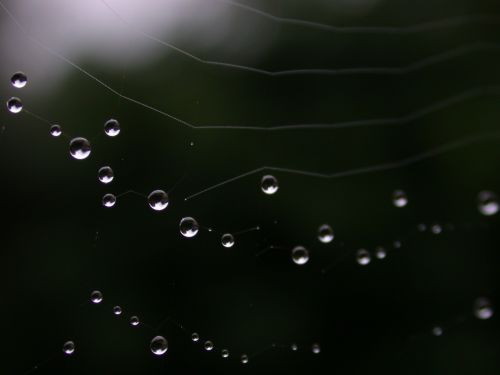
[[96, 296], [14, 105], [55, 130], [112, 127], [488, 203], [189, 227], [209, 345], [69, 347], [79, 148], [421, 227], [134, 321], [483, 309], [225, 353], [195, 337], [19, 80], [109, 200], [105, 175], [244, 359], [159, 345], [227, 240], [363, 257], [325, 233], [294, 347], [399, 198], [158, 200], [436, 229], [300, 255], [117, 310], [437, 331], [380, 252], [269, 184], [316, 349]]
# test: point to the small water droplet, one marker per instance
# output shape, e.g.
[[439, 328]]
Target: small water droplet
[[244, 359], [227, 240], [437, 331], [316, 349], [159, 345], [112, 128], [19, 80], [300, 255], [483, 309], [105, 175], [436, 228], [488, 203], [195, 337], [325, 233], [134, 321], [294, 347], [380, 252], [363, 257], [269, 184], [79, 148], [209, 345], [421, 227], [109, 200], [96, 296], [189, 227], [225, 353], [14, 105], [117, 310], [158, 200], [55, 130], [69, 347], [399, 198]]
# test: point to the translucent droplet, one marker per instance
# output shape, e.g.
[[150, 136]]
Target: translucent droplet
[[134, 321], [397, 244], [105, 175], [209, 345], [399, 198], [436, 229], [189, 227], [158, 200], [437, 331], [316, 349], [112, 127], [488, 203], [380, 252], [363, 257], [325, 233], [79, 148], [225, 353], [421, 227], [195, 337], [483, 309], [227, 240], [269, 184], [55, 130], [109, 200], [117, 310], [294, 347], [159, 345], [69, 347], [244, 359], [300, 255], [96, 296], [19, 80], [14, 105]]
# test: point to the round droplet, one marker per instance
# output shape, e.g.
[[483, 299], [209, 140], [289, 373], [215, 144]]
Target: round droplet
[[112, 127], [109, 200], [158, 200], [105, 175], [488, 203], [96, 296], [421, 227], [209, 345], [79, 148], [225, 353], [19, 80], [436, 229], [269, 184], [195, 337], [437, 331], [399, 198], [325, 233], [363, 257], [380, 252], [244, 359], [300, 255], [117, 310], [189, 227], [55, 130], [316, 349], [134, 321], [159, 345], [69, 347], [483, 309], [14, 105], [294, 347], [227, 240]]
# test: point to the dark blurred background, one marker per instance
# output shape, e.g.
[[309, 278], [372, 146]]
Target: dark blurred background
[[58, 242]]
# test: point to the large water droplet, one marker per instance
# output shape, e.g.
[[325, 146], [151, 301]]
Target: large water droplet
[[325, 233], [19, 80], [109, 200], [79, 148], [55, 130], [269, 184], [105, 174], [483, 309], [14, 105], [159, 345], [112, 127], [189, 227], [363, 257], [158, 200], [227, 240], [69, 347], [399, 198], [300, 255], [488, 203], [209, 345], [96, 296]]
